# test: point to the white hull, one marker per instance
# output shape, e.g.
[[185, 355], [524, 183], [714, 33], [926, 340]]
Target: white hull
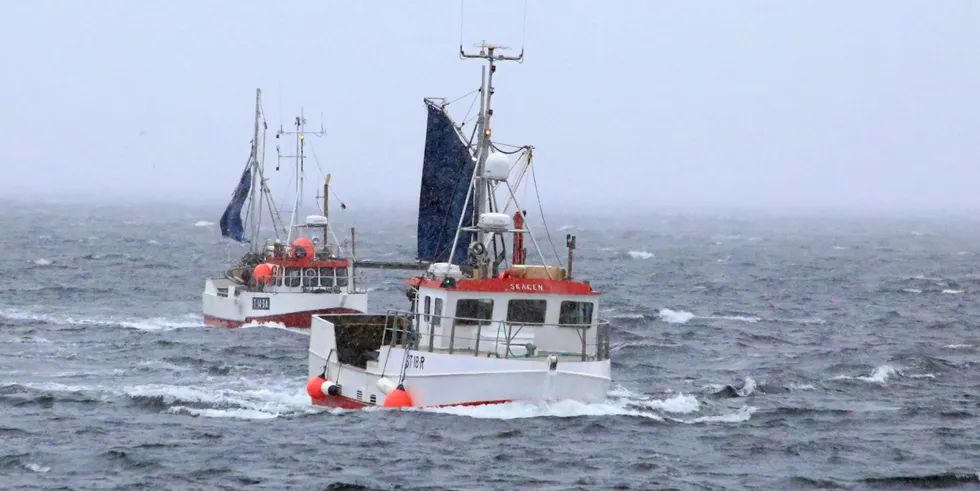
[[442, 379], [229, 304]]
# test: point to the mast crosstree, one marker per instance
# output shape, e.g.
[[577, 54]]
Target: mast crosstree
[[300, 133]]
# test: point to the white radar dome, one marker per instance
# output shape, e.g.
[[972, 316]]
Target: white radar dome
[[497, 167]]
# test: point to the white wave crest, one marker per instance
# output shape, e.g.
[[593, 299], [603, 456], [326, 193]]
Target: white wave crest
[[621, 402], [675, 316], [795, 386], [558, 409], [879, 375], [740, 416], [671, 316], [151, 324], [254, 323], [249, 401], [40, 469]]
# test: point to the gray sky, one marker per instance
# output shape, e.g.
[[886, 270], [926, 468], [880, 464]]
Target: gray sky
[[642, 104]]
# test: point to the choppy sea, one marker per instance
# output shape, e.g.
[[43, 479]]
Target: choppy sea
[[749, 352]]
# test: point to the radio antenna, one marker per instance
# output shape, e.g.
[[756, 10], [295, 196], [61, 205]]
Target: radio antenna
[[523, 32], [519, 58], [461, 23]]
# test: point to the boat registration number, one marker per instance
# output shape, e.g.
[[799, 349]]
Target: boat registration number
[[415, 361], [260, 303]]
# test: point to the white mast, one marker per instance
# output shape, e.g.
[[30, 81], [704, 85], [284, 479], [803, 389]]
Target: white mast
[[256, 191], [300, 174], [262, 189], [483, 146]]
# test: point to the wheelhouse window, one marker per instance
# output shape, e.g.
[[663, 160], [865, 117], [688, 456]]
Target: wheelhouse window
[[311, 278], [437, 313], [341, 276], [575, 313], [428, 308], [293, 277], [326, 277], [527, 311], [474, 312]]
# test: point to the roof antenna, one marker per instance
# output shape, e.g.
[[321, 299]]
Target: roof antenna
[[461, 25], [519, 58], [523, 33]]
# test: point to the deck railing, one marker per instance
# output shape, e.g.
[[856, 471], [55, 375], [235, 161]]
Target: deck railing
[[402, 329], [309, 284]]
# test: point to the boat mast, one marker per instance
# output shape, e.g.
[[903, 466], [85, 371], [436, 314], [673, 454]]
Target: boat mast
[[300, 146], [300, 137], [263, 190], [256, 200], [326, 212], [483, 147]]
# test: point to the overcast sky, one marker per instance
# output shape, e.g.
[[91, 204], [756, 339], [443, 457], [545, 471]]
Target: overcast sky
[[642, 104]]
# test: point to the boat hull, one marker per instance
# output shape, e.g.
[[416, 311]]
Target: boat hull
[[438, 379], [342, 402], [225, 307]]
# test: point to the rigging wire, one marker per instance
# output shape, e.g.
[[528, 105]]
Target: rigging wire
[[324, 177], [467, 115], [462, 97], [547, 229], [466, 118]]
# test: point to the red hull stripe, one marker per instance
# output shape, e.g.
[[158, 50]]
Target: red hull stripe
[[348, 403], [292, 319], [516, 285]]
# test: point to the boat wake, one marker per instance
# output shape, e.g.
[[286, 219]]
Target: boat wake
[[620, 402], [253, 401], [142, 324]]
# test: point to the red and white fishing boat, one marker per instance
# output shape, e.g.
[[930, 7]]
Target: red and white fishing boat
[[480, 329], [292, 276]]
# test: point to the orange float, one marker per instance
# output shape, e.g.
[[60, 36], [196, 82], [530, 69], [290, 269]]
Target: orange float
[[262, 273], [303, 248], [315, 387], [398, 398]]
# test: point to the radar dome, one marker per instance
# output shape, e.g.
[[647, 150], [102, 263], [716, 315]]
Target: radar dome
[[497, 167]]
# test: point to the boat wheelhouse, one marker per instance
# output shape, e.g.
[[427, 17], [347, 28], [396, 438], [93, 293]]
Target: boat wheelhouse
[[301, 271], [480, 329]]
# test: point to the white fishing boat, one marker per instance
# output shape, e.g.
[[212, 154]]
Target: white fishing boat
[[301, 271], [481, 329]]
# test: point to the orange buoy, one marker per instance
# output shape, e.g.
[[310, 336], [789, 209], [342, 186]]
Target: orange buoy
[[398, 398], [303, 248], [315, 387], [262, 273]]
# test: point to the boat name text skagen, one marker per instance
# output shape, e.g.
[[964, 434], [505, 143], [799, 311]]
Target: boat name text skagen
[[526, 287]]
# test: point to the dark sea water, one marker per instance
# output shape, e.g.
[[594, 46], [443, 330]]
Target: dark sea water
[[748, 353]]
